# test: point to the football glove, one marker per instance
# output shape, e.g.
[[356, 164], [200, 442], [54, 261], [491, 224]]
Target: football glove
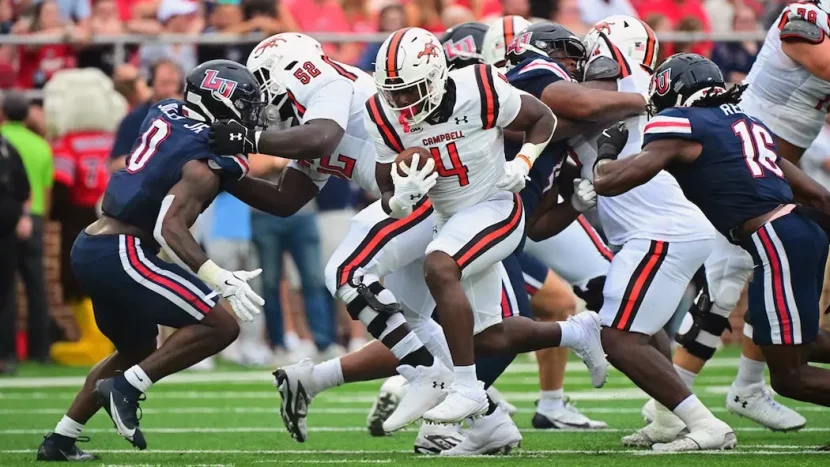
[[414, 185], [233, 287], [584, 197], [515, 175], [228, 137]]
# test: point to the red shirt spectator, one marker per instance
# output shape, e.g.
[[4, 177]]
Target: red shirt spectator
[[36, 64], [675, 11], [81, 164], [325, 16]]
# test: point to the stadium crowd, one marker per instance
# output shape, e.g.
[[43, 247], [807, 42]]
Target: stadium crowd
[[300, 319]]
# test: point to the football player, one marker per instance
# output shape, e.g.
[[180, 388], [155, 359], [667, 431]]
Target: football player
[[459, 117], [789, 85], [148, 208], [500, 34], [700, 134]]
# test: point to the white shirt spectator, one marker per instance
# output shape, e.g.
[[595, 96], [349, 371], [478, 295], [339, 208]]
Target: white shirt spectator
[[594, 11]]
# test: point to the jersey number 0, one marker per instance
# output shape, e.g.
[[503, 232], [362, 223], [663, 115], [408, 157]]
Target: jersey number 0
[[151, 139]]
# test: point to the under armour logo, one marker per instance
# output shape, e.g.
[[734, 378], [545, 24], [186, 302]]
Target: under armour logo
[[458, 121], [414, 197], [437, 385], [236, 136]]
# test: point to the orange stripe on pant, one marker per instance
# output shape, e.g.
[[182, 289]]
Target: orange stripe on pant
[[640, 285], [494, 236]]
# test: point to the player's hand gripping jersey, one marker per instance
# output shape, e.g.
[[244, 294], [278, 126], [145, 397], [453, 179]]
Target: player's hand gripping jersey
[[169, 139], [467, 143], [789, 99], [656, 210]]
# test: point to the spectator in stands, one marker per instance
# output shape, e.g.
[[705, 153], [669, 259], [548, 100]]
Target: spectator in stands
[[735, 59], [75, 11], [676, 11], [358, 16], [233, 17], [454, 15], [569, 15], [37, 63], [325, 16], [6, 16], [267, 17], [175, 17], [427, 14], [516, 7], [37, 158], [593, 11], [167, 82], [692, 24], [127, 80], [14, 225], [391, 18], [660, 24], [104, 21]]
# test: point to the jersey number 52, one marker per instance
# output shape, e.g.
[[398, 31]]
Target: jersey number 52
[[758, 147]]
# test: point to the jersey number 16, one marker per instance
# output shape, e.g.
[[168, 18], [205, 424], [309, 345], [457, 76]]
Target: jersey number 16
[[758, 146]]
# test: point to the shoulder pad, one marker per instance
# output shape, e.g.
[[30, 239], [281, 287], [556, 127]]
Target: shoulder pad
[[799, 29], [602, 68]]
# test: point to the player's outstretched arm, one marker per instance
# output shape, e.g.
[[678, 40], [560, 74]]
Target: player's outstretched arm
[[806, 44], [313, 140], [806, 190], [581, 103], [283, 199]]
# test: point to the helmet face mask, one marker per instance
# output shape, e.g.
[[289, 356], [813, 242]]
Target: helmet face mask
[[411, 74]]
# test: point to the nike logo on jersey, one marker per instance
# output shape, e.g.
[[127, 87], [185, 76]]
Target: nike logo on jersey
[[436, 140]]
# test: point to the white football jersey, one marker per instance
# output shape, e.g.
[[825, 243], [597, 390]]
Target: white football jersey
[[467, 146], [323, 88], [785, 96], [656, 210]]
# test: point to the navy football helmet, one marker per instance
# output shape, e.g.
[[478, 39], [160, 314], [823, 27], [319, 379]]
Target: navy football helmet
[[223, 89], [463, 44], [548, 39], [682, 79]]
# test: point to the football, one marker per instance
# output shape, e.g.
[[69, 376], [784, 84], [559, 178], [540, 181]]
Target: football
[[405, 158]]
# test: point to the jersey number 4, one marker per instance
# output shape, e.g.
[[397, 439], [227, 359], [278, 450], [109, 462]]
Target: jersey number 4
[[456, 168], [758, 146], [151, 139]]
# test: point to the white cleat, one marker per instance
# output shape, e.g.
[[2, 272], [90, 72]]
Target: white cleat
[[427, 388], [389, 396], [296, 388], [589, 348], [709, 435], [665, 428], [462, 402], [434, 438], [565, 417], [491, 434], [497, 398], [649, 410], [756, 403]]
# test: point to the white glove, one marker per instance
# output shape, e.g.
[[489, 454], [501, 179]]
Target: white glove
[[515, 176], [414, 185], [233, 287], [584, 197]]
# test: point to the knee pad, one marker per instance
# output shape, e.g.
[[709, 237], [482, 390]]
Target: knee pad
[[592, 293], [702, 327], [373, 305]]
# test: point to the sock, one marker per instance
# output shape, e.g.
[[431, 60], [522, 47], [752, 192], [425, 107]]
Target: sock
[[551, 400], [327, 375], [138, 379], [570, 334], [466, 375], [432, 335], [491, 406], [489, 369], [686, 376], [69, 428], [750, 372], [692, 411], [410, 351]]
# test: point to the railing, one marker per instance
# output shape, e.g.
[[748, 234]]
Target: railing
[[120, 42]]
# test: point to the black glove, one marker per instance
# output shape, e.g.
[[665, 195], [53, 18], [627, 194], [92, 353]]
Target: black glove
[[229, 137], [611, 141]]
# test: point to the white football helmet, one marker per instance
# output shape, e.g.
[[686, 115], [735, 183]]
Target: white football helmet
[[411, 73], [270, 60], [501, 32], [633, 37]]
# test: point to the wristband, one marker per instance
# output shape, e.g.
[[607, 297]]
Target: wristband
[[209, 272]]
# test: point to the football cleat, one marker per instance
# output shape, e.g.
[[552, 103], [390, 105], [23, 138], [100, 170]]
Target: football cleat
[[756, 403], [491, 434], [296, 388], [427, 388], [462, 402], [649, 410], [709, 435], [123, 410], [566, 416], [665, 428], [497, 398], [62, 448], [589, 349], [434, 438], [389, 396]]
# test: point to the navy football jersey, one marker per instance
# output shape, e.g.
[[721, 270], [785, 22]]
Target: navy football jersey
[[736, 177], [532, 76], [168, 139]]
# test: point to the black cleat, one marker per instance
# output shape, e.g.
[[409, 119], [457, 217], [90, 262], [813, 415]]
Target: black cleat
[[58, 448], [123, 410]]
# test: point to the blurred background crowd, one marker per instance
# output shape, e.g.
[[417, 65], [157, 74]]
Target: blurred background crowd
[[45, 317]]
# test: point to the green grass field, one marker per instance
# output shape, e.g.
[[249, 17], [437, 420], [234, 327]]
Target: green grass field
[[231, 418]]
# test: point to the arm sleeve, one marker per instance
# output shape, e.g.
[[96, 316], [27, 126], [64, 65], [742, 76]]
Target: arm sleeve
[[510, 100], [332, 101], [319, 179], [670, 124]]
